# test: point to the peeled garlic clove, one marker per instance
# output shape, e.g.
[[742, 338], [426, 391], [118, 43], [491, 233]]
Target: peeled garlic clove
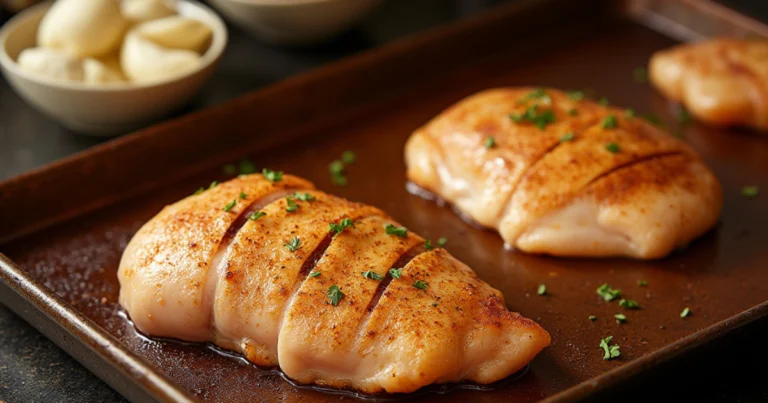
[[83, 28], [146, 10], [51, 63], [96, 72], [143, 60], [177, 33]]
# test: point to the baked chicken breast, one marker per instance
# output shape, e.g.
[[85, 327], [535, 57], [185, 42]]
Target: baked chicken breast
[[721, 81], [334, 292], [561, 175]]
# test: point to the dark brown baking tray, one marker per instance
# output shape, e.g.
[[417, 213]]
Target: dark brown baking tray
[[63, 227]]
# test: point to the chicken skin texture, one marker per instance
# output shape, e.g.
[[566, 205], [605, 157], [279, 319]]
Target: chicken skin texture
[[723, 82], [557, 174], [336, 293]]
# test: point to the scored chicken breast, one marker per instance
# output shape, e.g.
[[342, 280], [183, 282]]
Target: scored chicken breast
[[720, 81], [334, 292], [558, 174]]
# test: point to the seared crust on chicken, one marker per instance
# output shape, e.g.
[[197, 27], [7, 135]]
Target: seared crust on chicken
[[553, 172], [722, 81], [242, 266]]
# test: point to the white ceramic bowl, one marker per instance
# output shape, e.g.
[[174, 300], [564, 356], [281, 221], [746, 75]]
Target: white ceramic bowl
[[113, 108], [294, 22]]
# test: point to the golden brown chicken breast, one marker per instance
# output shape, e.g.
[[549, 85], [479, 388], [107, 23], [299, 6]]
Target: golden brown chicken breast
[[720, 81], [557, 174], [336, 293]]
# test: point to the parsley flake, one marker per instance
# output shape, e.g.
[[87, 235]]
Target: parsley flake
[[428, 245], [750, 192], [420, 284], [291, 205], [532, 115], [592, 318], [612, 147], [213, 185], [314, 274], [246, 166], [629, 304], [610, 351], [402, 232], [294, 244], [242, 195], [442, 242], [334, 295], [198, 191], [304, 197], [255, 216], [566, 137], [620, 318], [395, 272], [230, 205], [603, 101], [542, 290], [575, 95], [489, 143], [609, 122], [341, 226], [642, 283], [272, 176], [573, 112], [348, 157], [538, 93], [608, 293], [630, 113], [686, 312], [337, 169], [372, 275]]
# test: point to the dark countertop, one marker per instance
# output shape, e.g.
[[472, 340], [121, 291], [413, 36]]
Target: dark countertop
[[34, 369]]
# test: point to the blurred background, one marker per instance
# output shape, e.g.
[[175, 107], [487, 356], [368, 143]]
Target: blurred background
[[33, 369]]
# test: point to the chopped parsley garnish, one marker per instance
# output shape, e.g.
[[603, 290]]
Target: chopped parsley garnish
[[592, 318], [609, 122], [612, 147], [642, 283], [402, 232], [229, 205], [542, 290], [442, 242], [294, 244], [608, 293], [372, 275], [314, 274], [272, 176], [255, 216], [683, 117], [213, 185], [573, 112], [246, 167], [575, 95], [750, 192], [685, 312], [629, 304], [304, 197], [630, 113], [395, 272], [620, 318], [603, 101], [341, 226], [337, 169], [229, 169], [291, 205], [198, 191], [428, 245], [242, 195], [334, 295], [489, 143], [420, 284], [566, 137], [538, 93], [532, 115], [610, 351], [640, 75], [348, 157], [339, 180]]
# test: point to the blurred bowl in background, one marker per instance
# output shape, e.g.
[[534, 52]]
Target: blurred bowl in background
[[294, 22], [112, 108]]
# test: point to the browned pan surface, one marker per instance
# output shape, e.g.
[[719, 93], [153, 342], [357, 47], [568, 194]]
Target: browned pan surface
[[718, 276]]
